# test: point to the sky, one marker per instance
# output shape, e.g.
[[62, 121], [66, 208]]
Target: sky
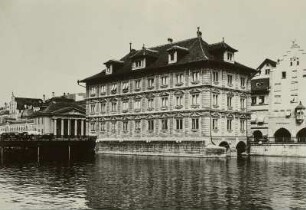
[[47, 45]]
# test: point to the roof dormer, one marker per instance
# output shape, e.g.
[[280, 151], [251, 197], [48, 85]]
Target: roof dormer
[[175, 53], [223, 51], [112, 65], [143, 58]]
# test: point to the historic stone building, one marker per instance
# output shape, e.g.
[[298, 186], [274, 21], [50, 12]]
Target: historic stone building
[[287, 111], [260, 86], [180, 91]]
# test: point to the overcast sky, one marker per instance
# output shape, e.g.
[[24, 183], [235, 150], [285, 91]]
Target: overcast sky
[[47, 45]]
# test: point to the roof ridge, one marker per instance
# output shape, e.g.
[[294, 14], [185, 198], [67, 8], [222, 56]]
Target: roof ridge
[[173, 43]]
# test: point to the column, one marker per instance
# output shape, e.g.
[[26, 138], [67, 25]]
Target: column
[[62, 127], [69, 127], [82, 127], [54, 126], [75, 127]]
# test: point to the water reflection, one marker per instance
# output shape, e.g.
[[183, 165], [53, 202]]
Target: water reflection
[[130, 182]]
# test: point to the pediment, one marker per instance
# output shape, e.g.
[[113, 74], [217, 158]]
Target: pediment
[[70, 111]]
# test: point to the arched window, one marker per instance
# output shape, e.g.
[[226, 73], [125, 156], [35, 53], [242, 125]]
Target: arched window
[[301, 135]]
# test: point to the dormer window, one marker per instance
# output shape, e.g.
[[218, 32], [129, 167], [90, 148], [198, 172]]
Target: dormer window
[[111, 65], [172, 57], [175, 52], [109, 69], [230, 56]]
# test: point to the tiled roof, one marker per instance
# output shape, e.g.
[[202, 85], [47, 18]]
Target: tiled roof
[[259, 85], [58, 107], [267, 60], [198, 51], [221, 46]]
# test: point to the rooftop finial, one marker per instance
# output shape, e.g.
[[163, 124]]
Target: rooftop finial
[[223, 39], [143, 46], [199, 33], [130, 46]]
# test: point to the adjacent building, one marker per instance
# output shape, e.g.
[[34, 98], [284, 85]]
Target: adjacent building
[[287, 110], [179, 91], [261, 98]]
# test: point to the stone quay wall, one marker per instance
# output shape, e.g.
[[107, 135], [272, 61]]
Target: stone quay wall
[[160, 148], [284, 150]]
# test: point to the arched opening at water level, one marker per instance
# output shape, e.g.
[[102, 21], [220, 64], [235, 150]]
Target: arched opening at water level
[[241, 147], [301, 135], [282, 135], [224, 144]]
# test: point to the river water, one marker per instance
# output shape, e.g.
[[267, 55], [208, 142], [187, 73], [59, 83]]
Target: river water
[[131, 182]]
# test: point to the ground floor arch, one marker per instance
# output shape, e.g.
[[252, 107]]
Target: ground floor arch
[[241, 147], [225, 144], [282, 135], [257, 135], [301, 135]]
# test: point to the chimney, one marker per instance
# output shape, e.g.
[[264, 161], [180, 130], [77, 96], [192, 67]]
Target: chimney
[[64, 94], [130, 46], [199, 33], [53, 94], [170, 40], [44, 98]]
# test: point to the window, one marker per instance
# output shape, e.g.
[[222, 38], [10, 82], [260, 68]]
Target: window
[[277, 99], [109, 69], [215, 76], [150, 103], [195, 123], [140, 63], [229, 101], [114, 88], [261, 99], [229, 124], [102, 89], [92, 91], [164, 101], [171, 56], [230, 80], [103, 107], [195, 76], [92, 127], [137, 125], [229, 56], [150, 125], [195, 99], [215, 124], [137, 84], [179, 100], [151, 83], [242, 82], [267, 72], [179, 124], [242, 124], [113, 126], [125, 126], [137, 104], [179, 79], [283, 75], [92, 108], [164, 81], [114, 106], [242, 103], [125, 87], [102, 126], [125, 105], [164, 124], [215, 99], [253, 100]]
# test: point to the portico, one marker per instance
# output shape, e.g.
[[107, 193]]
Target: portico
[[68, 126]]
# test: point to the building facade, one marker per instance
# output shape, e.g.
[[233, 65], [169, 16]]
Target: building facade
[[287, 111], [260, 86], [181, 91]]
